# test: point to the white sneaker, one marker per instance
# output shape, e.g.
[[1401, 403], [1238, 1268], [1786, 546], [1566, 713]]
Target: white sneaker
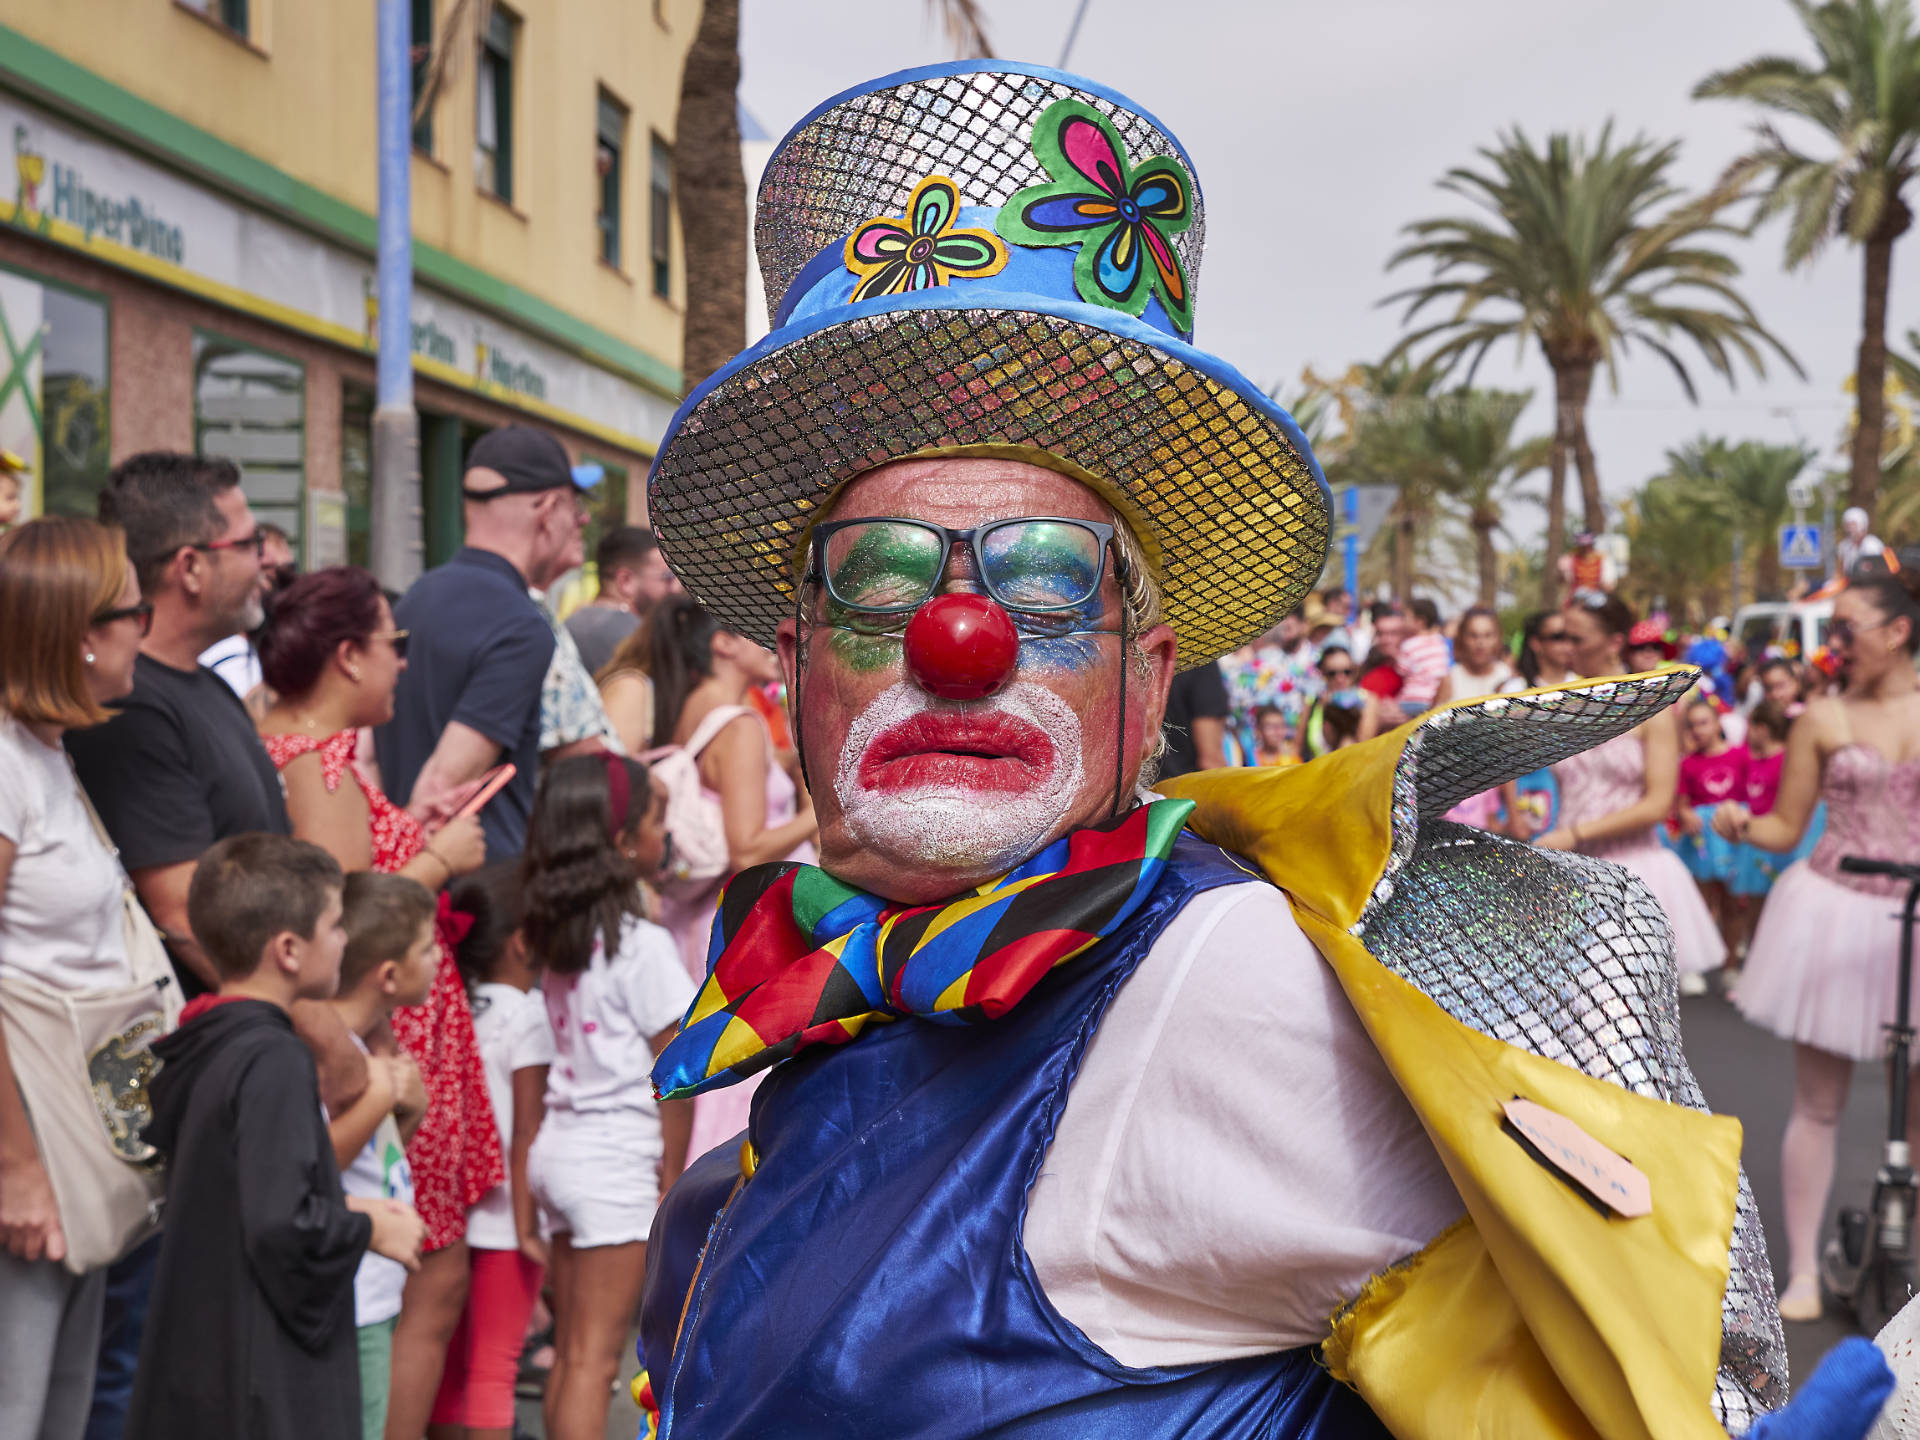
[[1693, 983]]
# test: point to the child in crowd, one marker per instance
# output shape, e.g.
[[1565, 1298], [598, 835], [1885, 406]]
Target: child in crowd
[[250, 1329], [1273, 739], [1755, 869], [1711, 771], [391, 955], [503, 1230], [615, 990]]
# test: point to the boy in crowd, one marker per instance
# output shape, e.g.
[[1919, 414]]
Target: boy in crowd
[[390, 960], [251, 1331]]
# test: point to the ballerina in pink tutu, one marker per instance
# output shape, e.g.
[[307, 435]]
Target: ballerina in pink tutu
[[1614, 797], [1821, 971]]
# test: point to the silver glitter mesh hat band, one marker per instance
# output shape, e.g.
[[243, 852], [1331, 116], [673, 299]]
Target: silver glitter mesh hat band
[[1022, 351]]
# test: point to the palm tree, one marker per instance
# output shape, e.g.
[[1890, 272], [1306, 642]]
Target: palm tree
[[1864, 94], [1384, 413], [713, 187], [1677, 555], [1470, 435], [1579, 257]]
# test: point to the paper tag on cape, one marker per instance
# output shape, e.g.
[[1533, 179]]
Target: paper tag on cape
[[1611, 1179]]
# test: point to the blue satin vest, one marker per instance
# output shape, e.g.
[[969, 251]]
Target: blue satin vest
[[870, 1278]]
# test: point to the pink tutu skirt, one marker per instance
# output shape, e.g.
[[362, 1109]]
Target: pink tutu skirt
[[1697, 946], [1823, 969]]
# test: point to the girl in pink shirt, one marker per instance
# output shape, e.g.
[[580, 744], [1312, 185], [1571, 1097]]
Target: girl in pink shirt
[[1711, 772]]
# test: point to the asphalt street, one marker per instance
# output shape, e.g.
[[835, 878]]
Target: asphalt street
[[1748, 1073]]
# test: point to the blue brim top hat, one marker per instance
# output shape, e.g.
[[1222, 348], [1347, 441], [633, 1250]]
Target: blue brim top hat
[[989, 260]]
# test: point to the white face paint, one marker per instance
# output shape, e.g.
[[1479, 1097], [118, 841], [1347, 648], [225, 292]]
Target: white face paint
[[959, 825]]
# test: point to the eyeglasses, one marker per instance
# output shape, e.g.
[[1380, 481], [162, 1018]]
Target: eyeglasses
[[143, 612], [884, 565], [256, 542], [395, 638], [1842, 632]]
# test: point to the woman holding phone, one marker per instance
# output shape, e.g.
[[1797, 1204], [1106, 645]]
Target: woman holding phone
[[332, 655]]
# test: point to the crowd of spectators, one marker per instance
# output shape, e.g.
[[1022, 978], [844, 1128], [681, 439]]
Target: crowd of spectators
[[404, 859]]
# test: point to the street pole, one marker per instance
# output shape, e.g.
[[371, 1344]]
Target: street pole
[[1828, 535], [394, 546]]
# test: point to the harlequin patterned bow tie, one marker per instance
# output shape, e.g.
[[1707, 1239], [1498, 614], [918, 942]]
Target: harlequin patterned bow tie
[[800, 959]]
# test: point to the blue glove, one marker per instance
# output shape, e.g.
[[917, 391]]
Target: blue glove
[[1840, 1402]]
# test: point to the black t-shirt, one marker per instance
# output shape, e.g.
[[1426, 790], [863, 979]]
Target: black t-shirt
[[1200, 693], [478, 653], [178, 768]]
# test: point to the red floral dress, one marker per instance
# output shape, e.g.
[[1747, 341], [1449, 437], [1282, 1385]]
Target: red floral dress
[[455, 1154]]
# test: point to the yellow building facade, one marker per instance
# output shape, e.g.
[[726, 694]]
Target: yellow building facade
[[187, 241]]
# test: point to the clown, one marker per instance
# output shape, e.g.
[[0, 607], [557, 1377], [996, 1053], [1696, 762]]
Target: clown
[[1229, 1109]]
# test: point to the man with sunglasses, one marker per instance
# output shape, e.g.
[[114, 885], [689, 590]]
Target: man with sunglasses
[[1074, 1123], [179, 766], [481, 648]]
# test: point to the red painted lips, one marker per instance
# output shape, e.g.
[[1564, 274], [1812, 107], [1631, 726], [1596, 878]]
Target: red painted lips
[[990, 750]]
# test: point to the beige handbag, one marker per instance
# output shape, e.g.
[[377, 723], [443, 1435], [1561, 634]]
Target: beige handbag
[[81, 1060]]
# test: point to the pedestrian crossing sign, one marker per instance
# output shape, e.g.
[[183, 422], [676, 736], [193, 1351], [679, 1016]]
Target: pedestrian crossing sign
[[1800, 547]]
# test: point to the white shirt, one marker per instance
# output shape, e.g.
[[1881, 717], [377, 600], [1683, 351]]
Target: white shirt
[[1233, 1161], [235, 661], [1469, 686], [604, 1017], [514, 1033], [380, 1171], [62, 921]]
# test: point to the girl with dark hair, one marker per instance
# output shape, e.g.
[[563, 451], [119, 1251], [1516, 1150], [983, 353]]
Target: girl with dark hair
[[615, 991], [1821, 971], [1543, 652], [1614, 797], [503, 1229], [332, 656], [1342, 714], [702, 675]]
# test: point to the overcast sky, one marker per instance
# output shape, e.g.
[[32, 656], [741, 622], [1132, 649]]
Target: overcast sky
[[1319, 129]]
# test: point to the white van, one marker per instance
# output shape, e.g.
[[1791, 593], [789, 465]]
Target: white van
[[1797, 626]]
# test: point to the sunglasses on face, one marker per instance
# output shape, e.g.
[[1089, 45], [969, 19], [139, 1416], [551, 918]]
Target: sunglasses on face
[[143, 612], [395, 638], [1337, 672], [1554, 637], [885, 565]]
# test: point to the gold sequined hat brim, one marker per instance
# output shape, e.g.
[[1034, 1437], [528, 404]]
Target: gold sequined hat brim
[[1220, 480]]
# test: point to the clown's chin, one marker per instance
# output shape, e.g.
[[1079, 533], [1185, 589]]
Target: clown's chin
[[975, 786]]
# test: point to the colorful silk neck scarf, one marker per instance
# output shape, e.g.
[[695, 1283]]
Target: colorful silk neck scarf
[[800, 959]]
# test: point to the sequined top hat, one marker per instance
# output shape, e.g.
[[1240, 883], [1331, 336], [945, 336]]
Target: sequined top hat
[[989, 259]]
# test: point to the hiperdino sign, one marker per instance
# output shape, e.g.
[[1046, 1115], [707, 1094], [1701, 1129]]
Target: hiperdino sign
[[76, 189]]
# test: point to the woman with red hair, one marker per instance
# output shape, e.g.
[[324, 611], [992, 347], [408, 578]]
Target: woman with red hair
[[331, 654]]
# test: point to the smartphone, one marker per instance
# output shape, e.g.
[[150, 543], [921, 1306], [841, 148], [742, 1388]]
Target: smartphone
[[491, 784]]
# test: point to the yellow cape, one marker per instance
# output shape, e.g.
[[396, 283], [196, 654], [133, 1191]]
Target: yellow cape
[[1535, 1316]]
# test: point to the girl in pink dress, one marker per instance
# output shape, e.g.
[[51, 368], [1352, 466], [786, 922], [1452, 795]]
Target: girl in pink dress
[[332, 656], [1711, 773], [701, 677], [1824, 964], [1614, 798]]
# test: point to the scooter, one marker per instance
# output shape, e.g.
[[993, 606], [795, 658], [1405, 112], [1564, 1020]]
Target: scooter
[[1868, 1267]]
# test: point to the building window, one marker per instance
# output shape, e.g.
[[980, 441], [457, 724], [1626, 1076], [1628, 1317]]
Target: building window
[[421, 54], [250, 407], [53, 391], [230, 13], [610, 150], [660, 218], [493, 130]]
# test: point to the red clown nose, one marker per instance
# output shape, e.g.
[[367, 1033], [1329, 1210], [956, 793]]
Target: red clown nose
[[961, 647]]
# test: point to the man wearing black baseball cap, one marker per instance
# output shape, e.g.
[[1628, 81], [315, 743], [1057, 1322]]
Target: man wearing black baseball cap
[[479, 648]]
